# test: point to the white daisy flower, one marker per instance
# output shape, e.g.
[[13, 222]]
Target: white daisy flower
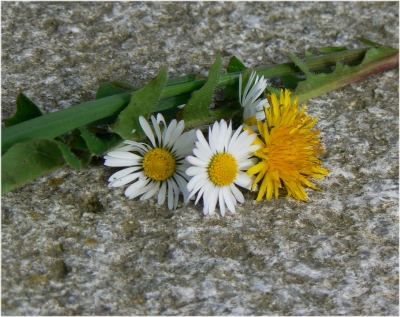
[[253, 108], [221, 164], [159, 167]]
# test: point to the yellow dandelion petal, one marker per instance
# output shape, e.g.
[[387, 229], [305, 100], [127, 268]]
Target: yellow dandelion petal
[[289, 150]]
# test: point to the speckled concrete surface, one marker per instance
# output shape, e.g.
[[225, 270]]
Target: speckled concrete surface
[[71, 245]]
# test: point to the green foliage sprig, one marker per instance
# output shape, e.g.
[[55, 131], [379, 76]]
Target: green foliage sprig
[[34, 144]]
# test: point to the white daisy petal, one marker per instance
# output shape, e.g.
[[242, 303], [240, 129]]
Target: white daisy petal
[[201, 191], [185, 143], [246, 89], [176, 133], [213, 201], [157, 129], [133, 190], [123, 173], [211, 139], [116, 162], [239, 144], [232, 142], [162, 193], [182, 183], [171, 128], [146, 128], [160, 118], [249, 101], [228, 136], [240, 89], [237, 193], [223, 129], [203, 149], [143, 146], [221, 203], [202, 140], [243, 180], [138, 192], [153, 190], [216, 171], [125, 180], [124, 155], [246, 164], [197, 182], [156, 167], [206, 199], [176, 193], [170, 195], [202, 155], [229, 200], [126, 148], [196, 161], [194, 170]]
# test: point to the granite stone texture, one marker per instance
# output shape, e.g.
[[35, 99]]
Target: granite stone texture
[[73, 246]]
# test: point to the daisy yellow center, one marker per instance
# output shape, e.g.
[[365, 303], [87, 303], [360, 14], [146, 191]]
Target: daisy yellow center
[[158, 164], [222, 169]]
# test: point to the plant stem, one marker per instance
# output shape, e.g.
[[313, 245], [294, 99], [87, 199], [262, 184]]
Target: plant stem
[[57, 123]]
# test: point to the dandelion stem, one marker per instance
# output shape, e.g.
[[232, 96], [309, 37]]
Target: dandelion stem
[[57, 123]]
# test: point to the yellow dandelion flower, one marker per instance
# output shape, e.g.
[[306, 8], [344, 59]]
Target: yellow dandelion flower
[[289, 150]]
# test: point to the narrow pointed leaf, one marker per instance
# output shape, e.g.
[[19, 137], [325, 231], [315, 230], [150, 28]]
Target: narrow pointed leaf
[[181, 80], [375, 60], [235, 65], [331, 49], [290, 81], [368, 42], [141, 104], [69, 157], [108, 89], [307, 53], [171, 102], [199, 104], [124, 85], [26, 110]]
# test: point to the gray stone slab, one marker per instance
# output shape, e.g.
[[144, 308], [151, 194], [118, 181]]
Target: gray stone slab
[[71, 245]]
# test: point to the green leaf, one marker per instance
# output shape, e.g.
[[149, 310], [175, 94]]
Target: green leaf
[[271, 90], [108, 89], [368, 42], [70, 157], [60, 122], [124, 85], [26, 110], [231, 90], [235, 65], [307, 53], [374, 54], [181, 80], [331, 49], [141, 104], [199, 104], [171, 102], [76, 141], [100, 145], [74, 147], [375, 60], [290, 81], [27, 160]]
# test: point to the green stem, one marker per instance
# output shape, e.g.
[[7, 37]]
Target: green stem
[[57, 123], [313, 63]]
